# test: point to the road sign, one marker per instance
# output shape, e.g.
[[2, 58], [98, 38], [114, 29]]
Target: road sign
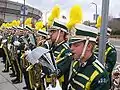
[[24, 10]]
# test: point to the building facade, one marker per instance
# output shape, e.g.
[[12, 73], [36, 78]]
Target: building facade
[[10, 10]]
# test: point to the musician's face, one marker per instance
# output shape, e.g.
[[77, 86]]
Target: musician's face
[[77, 49], [53, 35], [21, 32], [38, 38]]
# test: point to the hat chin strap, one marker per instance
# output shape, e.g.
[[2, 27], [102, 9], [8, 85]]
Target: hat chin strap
[[84, 49], [58, 36]]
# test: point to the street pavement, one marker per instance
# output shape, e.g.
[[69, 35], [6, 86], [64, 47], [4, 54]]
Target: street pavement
[[5, 79]]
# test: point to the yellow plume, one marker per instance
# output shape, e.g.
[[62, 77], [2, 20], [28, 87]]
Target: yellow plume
[[50, 20], [18, 22], [14, 23], [44, 29], [30, 25], [75, 16], [28, 22], [56, 11], [11, 24], [39, 25], [3, 25], [99, 21], [54, 14], [8, 25]]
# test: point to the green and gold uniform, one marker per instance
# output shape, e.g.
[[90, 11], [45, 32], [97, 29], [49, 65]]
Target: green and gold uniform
[[7, 60], [110, 58], [63, 59], [90, 75]]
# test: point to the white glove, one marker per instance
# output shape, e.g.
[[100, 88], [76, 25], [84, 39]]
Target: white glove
[[4, 41], [1, 36], [58, 87], [9, 46], [16, 43], [18, 51], [27, 52]]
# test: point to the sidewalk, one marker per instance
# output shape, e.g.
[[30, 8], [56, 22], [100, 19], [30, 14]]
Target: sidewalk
[[5, 80]]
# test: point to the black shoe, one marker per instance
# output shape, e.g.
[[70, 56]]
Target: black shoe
[[16, 82], [12, 75], [2, 61], [25, 87], [10, 68], [4, 71], [13, 80]]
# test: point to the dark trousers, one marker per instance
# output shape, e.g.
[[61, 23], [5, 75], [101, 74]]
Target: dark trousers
[[26, 78], [18, 70], [2, 54], [6, 65]]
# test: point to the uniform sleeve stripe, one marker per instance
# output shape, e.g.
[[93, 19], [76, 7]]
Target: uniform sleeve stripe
[[56, 52], [58, 57], [78, 83], [71, 87], [98, 67], [74, 63], [57, 61], [65, 45], [99, 64], [81, 75]]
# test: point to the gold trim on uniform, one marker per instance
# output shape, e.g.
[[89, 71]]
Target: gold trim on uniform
[[58, 57], [74, 63], [56, 52], [78, 83], [81, 75], [98, 67], [93, 76]]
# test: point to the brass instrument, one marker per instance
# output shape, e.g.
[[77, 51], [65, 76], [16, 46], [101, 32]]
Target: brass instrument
[[37, 68], [43, 59], [35, 75], [53, 80], [25, 63], [12, 58]]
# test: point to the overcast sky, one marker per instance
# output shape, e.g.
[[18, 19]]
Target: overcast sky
[[65, 5]]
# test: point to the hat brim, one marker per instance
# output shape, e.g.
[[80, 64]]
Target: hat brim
[[76, 39], [72, 41], [28, 28], [42, 33], [53, 28]]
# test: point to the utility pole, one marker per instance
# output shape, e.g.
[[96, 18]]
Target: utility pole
[[46, 13], [24, 14], [96, 11], [103, 30]]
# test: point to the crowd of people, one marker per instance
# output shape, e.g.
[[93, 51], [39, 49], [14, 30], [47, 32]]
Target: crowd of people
[[60, 55]]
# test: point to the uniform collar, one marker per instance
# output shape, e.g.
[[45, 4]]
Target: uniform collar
[[83, 64], [88, 61], [54, 47]]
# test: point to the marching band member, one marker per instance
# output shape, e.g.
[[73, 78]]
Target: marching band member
[[59, 46], [110, 57]]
